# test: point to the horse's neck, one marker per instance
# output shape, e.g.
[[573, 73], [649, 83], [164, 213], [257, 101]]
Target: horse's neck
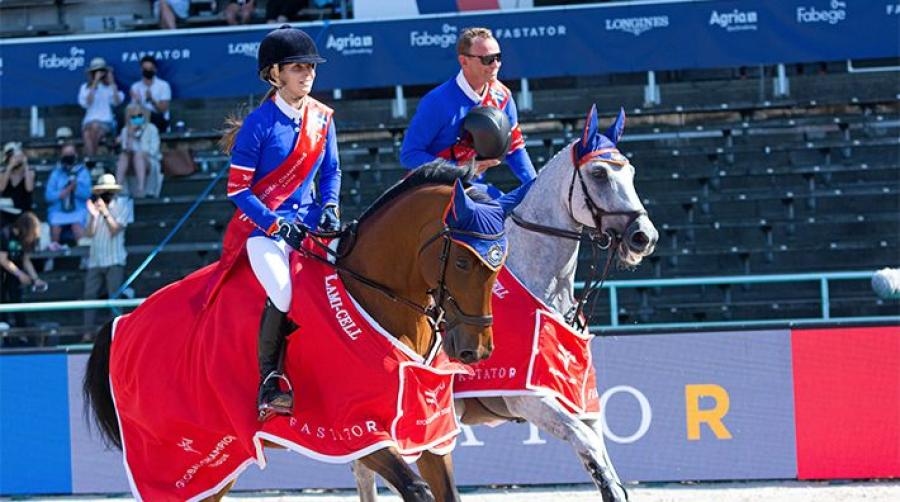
[[386, 251], [544, 263]]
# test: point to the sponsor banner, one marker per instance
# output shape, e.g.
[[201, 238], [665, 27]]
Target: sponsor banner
[[847, 400], [34, 425], [551, 42]]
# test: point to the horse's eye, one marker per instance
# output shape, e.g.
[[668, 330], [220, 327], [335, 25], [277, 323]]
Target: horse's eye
[[463, 263], [600, 173]]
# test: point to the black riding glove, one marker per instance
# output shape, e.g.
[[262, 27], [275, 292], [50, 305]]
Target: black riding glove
[[292, 233], [330, 222]]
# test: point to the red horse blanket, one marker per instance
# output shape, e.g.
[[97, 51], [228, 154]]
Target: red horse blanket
[[184, 380], [535, 352]]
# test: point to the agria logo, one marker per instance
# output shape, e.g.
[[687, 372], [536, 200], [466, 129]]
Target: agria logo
[[735, 20]]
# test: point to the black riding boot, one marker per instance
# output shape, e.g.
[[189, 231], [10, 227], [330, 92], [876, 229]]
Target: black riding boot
[[271, 399]]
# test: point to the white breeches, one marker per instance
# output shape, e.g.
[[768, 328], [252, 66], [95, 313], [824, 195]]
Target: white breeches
[[269, 261]]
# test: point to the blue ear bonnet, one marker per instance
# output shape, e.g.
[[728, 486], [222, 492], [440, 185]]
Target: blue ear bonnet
[[593, 144], [480, 225]]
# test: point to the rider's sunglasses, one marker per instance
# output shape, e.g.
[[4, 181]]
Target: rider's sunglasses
[[485, 60]]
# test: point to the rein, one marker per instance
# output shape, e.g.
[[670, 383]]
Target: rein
[[435, 313], [600, 239]]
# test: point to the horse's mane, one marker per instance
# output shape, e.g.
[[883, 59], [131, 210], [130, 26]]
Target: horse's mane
[[437, 172]]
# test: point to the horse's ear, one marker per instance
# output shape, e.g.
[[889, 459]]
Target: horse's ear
[[590, 126], [614, 133], [461, 206], [509, 201]]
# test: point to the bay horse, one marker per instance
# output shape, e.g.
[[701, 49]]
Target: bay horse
[[586, 188], [407, 264]]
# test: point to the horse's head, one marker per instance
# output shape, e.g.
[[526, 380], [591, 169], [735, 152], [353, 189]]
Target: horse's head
[[461, 268], [602, 194]]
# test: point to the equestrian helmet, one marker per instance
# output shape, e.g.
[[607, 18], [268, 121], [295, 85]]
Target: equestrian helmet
[[490, 131], [286, 44]]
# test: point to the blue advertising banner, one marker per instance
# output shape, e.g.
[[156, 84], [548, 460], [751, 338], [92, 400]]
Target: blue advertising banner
[[686, 406], [578, 40]]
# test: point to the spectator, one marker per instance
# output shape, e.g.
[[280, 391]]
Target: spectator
[[67, 192], [153, 93], [886, 283], [98, 96], [16, 180], [280, 11], [108, 217], [139, 141], [168, 10], [434, 131], [239, 11], [17, 242]]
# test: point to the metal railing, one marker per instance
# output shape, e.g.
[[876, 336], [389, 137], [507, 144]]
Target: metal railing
[[824, 279]]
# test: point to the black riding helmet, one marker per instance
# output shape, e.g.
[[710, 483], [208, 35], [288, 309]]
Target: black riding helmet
[[489, 130], [287, 44]]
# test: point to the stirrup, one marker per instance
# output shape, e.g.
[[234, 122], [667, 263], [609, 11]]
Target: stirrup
[[267, 410]]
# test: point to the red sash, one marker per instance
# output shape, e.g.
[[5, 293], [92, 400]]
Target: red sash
[[278, 185], [498, 96], [534, 353]]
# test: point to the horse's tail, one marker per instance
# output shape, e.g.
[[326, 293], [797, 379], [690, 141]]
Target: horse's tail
[[96, 391]]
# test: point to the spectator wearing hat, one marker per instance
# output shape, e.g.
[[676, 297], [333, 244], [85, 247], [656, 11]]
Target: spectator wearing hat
[[168, 11], [139, 141], [108, 217], [64, 134], [98, 96], [16, 180], [153, 93], [67, 191], [17, 242]]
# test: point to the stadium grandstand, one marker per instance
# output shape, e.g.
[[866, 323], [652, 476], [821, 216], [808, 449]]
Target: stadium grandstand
[[769, 164]]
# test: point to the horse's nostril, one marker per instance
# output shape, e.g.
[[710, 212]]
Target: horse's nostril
[[467, 356], [640, 240]]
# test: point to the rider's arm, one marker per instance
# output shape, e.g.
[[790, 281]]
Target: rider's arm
[[330, 174], [517, 158], [245, 157], [423, 128]]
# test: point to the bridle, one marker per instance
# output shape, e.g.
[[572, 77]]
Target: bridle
[[598, 238], [435, 311]]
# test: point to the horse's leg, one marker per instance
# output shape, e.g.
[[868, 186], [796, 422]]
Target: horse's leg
[[596, 425], [438, 472], [221, 494], [551, 417], [388, 463], [365, 482]]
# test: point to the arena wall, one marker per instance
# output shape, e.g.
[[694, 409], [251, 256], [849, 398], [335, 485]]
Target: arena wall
[[777, 404]]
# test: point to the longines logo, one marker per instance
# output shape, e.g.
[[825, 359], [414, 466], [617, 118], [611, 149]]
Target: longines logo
[[637, 25], [444, 39], [540, 31], [71, 61], [351, 44], [735, 20], [249, 49], [159, 54], [836, 14]]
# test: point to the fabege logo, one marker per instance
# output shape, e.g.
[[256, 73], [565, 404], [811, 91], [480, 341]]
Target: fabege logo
[[810, 15], [73, 61], [249, 49], [637, 25], [445, 39], [735, 20], [351, 44]]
